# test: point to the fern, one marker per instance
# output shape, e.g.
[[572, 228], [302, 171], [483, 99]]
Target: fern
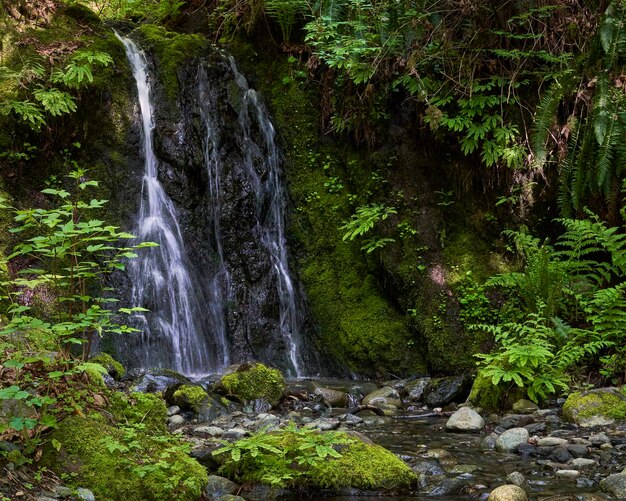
[[544, 119], [285, 13], [55, 101], [26, 110]]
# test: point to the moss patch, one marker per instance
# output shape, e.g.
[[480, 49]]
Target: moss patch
[[352, 463], [172, 50], [254, 381], [491, 397], [189, 397], [596, 407], [144, 409], [113, 367], [124, 463]]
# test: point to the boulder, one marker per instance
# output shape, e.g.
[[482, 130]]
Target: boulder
[[386, 399], [511, 439], [443, 391], [465, 420], [415, 389], [332, 398], [615, 485], [508, 492], [252, 381], [217, 487], [115, 369], [601, 407]]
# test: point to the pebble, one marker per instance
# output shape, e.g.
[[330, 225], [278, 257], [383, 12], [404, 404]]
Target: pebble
[[508, 492], [174, 409], [176, 420], [234, 434], [567, 473], [208, 431], [516, 478], [510, 439], [599, 439], [551, 442], [580, 463]]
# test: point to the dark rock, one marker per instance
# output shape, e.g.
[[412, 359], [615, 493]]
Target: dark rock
[[219, 486], [515, 421], [560, 454], [430, 468], [526, 449], [204, 455], [442, 391], [578, 450], [615, 485], [157, 380], [450, 487], [415, 389], [535, 428]]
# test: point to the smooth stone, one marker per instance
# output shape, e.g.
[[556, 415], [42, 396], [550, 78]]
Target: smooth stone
[[466, 420], [567, 473], [580, 463], [509, 492], [208, 431], [234, 434], [324, 424], [384, 398], [606, 447], [333, 398], [266, 421], [516, 478], [551, 441], [515, 421], [578, 450], [350, 419], [219, 486], [462, 469], [85, 494], [510, 439], [174, 409], [61, 491], [429, 468], [176, 420], [599, 439], [437, 454], [523, 406], [615, 485]]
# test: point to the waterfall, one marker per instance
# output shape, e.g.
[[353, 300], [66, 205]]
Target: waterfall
[[161, 278], [271, 201], [228, 295]]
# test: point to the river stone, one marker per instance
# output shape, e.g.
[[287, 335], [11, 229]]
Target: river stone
[[158, 380], [415, 389], [465, 419], [508, 492], [442, 391], [385, 398], [615, 485], [208, 431], [234, 434], [516, 478], [582, 463], [567, 473], [599, 439], [551, 442], [332, 398], [230, 497], [217, 487], [85, 494], [324, 424], [175, 421], [511, 439], [600, 407], [489, 442], [174, 409], [523, 406], [266, 422], [578, 450]]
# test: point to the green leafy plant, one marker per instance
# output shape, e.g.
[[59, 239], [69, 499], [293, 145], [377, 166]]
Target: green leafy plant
[[363, 221]]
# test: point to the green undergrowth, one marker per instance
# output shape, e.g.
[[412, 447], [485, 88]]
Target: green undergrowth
[[114, 368], [125, 453], [189, 397], [305, 459]]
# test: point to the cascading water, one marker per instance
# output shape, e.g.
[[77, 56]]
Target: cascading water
[[219, 283], [271, 201], [161, 280], [221, 291]]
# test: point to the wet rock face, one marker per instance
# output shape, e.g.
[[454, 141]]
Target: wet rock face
[[233, 197]]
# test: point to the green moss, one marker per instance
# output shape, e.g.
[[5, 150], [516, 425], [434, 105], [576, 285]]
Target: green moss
[[122, 464], [189, 397], [587, 407], [255, 381], [357, 464], [172, 50], [140, 408], [114, 368], [492, 397]]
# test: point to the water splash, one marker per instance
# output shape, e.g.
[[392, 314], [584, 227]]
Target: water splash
[[161, 280]]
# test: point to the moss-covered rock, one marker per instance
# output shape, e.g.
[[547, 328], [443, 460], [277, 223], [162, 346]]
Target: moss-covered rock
[[172, 50], [125, 453], [189, 397], [115, 369], [601, 407], [254, 381], [140, 408], [347, 462], [491, 397]]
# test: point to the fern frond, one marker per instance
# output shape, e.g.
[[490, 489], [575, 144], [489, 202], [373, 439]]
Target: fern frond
[[544, 119]]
